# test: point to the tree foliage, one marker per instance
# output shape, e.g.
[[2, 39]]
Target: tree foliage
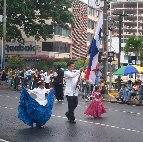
[[50, 64], [16, 62], [80, 63], [135, 44], [31, 16]]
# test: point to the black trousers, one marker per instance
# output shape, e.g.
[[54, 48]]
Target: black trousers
[[59, 92], [47, 86], [72, 104]]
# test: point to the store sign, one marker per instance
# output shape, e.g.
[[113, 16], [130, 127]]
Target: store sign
[[18, 48]]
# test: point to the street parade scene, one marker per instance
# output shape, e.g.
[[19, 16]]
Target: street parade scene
[[71, 71]]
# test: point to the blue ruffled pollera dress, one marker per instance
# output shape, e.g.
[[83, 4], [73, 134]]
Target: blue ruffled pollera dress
[[30, 111]]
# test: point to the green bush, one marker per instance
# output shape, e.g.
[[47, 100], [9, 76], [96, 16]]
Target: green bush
[[16, 62]]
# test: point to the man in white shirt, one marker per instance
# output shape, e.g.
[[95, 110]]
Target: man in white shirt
[[71, 90], [47, 79]]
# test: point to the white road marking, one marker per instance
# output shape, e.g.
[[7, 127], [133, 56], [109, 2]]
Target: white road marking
[[87, 106], [2, 140], [101, 124]]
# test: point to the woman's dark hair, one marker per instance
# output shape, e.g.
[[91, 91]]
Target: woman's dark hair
[[40, 82], [58, 66], [70, 63]]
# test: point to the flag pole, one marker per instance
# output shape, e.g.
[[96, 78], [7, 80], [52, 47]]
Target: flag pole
[[86, 55]]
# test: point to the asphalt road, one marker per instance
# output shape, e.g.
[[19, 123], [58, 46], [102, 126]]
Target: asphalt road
[[121, 123]]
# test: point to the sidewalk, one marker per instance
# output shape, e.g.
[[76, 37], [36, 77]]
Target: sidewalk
[[112, 99]]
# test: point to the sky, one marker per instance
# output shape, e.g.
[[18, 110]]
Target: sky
[[86, 1]]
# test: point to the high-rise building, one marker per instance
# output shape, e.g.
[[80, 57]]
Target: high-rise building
[[132, 24]]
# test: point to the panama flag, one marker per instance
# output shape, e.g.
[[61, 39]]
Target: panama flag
[[94, 52]]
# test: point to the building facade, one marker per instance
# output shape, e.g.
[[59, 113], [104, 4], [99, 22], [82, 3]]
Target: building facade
[[132, 24], [69, 42]]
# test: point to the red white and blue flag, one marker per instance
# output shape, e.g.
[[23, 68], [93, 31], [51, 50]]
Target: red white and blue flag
[[94, 52]]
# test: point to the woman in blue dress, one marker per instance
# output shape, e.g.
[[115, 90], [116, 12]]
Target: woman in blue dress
[[37, 110]]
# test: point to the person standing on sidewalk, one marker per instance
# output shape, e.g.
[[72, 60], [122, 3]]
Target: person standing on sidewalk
[[71, 91], [59, 84], [141, 94]]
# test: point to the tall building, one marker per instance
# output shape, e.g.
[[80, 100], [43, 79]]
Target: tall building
[[132, 24]]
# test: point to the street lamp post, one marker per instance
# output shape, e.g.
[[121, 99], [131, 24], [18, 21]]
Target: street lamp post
[[4, 37], [105, 40], [120, 34], [110, 59]]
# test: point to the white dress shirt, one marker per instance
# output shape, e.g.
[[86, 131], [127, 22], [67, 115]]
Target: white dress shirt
[[47, 77], [71, 79], [40, 93]]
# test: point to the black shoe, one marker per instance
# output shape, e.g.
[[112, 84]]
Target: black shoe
[[66, 114], [38, 126], [72, 121]]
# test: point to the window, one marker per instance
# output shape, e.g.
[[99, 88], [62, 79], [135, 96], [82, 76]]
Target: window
[[90, 24], [90, 11], [61, 31], [89, 37], [56, 47], [125, 57], [47, 46]]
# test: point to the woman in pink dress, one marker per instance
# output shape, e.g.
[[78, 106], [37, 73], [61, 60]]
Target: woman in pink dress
[[96, 108]]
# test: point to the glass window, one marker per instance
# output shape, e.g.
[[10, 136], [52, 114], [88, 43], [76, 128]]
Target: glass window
[[125, 57], [90, 11], [89, 37], [61, 31], [90, 24]]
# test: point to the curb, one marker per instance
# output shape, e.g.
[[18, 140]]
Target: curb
[[118, 102]]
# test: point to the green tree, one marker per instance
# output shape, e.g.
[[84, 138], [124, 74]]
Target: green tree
[[80, 63], [61, 63], [31, 16], [16, 62], [135, 44]]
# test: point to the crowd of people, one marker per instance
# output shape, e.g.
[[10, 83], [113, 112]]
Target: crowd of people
[[16, 79], [66, 82], [131, 91]]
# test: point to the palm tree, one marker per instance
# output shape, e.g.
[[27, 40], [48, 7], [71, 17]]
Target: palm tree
[[135, 44]]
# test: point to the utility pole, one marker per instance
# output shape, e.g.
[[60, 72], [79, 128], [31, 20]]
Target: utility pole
[[120, 37], [105, 41], [4, 37]]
